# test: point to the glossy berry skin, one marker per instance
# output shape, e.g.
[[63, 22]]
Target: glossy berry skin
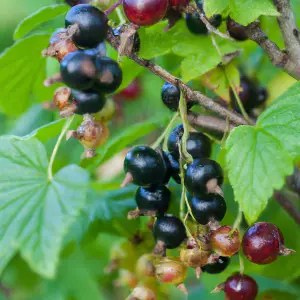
[[173, 168], [236, 30], [208, 207], [145, 165], [109, 75], [224, 243], [240, 287], [87, 102], [154, 198], [145, 12], [198, 144], [178, 3], [131, 92], [218, 267], [92, 25], [170, 230], [100, 50], [170, 95], [262, 242], [199, 174], [78, 70]]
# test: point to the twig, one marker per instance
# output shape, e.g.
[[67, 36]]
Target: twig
[[209, 122], [206, 102], [289, 207]]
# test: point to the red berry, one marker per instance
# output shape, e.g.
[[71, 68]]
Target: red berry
[[224, 242], [240, 287], [131, 92], [178, 3], [262, 243], [145, 12]]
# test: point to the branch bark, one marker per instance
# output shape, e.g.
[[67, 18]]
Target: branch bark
[[190, 94]]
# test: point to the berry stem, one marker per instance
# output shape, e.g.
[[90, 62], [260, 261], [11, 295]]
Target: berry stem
[[237, 221], [113, 7], [54, 152], [242, 266], [120, 15], [162, 137]]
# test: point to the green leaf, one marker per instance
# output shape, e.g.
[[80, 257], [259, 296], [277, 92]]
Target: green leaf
[[257, 164], [35, 213], [37, 18], [213, 7], [154, 41], [22, 75], [246, 11], [282, 120]]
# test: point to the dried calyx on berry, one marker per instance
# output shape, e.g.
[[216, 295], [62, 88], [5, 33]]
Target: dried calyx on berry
[[203, 176], [198, 144], [62, 97], [90, 25], [263, 242], [169, 231], [225, 241], [152, 201], [208, 207], [142, 293], [195, 24], [238, 286], [146, 12], [144, 166]]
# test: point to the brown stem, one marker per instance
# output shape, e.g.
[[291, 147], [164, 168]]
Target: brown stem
[[289, 207], [196, 96]]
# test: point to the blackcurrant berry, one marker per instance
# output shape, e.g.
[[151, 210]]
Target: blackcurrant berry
[[92, 25], [136, 38], [88, 102], [109, 75], [155, 198], [236, 30], [100, 50], [170, 230], [203, 176], [262, 96], [218, 267], [76, 2], [170, 95], [208, 207], [145, 165], [225, 242], [131, 92], [78, 70], [146, 12], [263, 242], [173, 168], [178, 3], [198, 144], [240, 287]]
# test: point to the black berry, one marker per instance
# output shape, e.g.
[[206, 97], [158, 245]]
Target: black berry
[[236, 30], [78, 70], [109, 75], [170, 95], [208, 207], [218, 267], [154, 198], [100, 50], [76, 2], [88, 102], [170, 230], [173, 167], [202, 176], [136, 38], [92, 25], [145, 165], [198, 144]]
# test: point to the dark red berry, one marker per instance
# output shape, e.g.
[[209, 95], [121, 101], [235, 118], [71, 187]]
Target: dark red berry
[[207, 208], [262, 243], [170, 230], [203, 176], [92, 25], [178, 3], [236, 30], [225, 241], [155, 198], [173, 168], [88, 102], [78, 70], [198, 144], [145, 165], [240, 287], [109, 75], [146, 12], [100, 50], [218, 267], [131, 92]]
